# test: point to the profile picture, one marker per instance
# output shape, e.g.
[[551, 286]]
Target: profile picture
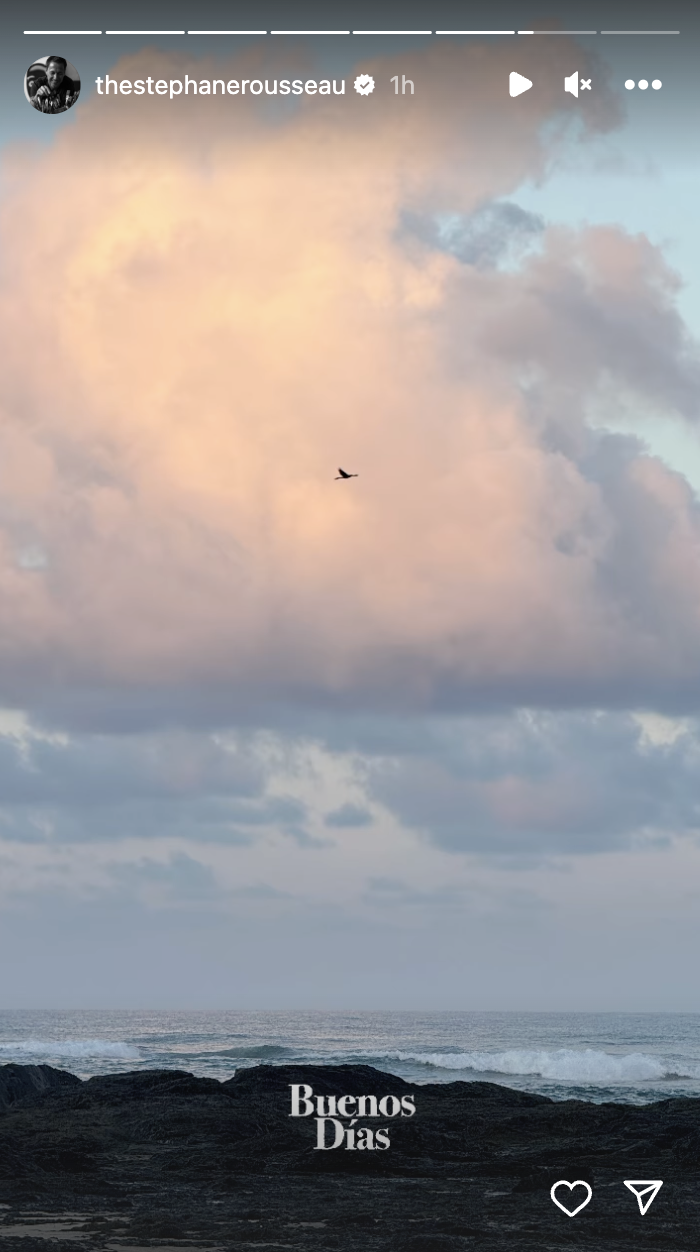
[[52, 84]]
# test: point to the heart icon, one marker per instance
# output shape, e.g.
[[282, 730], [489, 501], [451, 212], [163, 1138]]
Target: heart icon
[[579, 1183]]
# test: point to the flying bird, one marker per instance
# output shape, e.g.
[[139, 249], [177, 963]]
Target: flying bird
[[341, 474]]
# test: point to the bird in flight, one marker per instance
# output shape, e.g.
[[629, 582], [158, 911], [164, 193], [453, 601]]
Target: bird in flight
[[341, 474]]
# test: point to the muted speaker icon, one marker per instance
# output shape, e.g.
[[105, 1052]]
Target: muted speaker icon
[[571, 84]]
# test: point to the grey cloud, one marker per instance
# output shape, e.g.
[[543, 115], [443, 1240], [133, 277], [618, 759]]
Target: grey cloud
[[260, 891], [496, 232], [386, 886], [525, 786], [392, 893], [102, 769], [594, 307], [180, 785], [181, 877], [540, 783], [202, 820], [349, 815]]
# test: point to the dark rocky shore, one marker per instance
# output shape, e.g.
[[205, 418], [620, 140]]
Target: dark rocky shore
[[163, 1159]]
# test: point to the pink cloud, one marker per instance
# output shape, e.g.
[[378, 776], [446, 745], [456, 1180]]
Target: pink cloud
[[206, 309]]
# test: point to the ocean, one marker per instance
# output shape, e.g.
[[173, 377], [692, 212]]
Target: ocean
[[622, 1057]]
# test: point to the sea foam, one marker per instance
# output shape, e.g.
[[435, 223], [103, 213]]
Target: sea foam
[[561, 1065], [70, 1048]]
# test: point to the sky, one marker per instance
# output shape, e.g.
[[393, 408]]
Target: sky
[[427, 739]]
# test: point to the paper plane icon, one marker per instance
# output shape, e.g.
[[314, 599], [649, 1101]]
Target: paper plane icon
[[646, 1190], [518, 84]]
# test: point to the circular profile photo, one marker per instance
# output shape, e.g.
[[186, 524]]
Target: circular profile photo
[[52, 84]]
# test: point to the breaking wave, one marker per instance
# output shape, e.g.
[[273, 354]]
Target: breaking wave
[[70, 1048], [563, 1065]]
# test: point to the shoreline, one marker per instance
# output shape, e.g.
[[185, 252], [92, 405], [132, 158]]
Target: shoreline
[[627, 1094]]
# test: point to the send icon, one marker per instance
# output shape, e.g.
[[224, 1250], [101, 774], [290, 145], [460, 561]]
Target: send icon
[[646, 1191]]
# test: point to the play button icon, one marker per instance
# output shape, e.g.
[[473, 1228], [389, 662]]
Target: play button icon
[[518, 84]]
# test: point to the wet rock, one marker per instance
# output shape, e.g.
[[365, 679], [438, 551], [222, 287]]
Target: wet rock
[[223, 1164], [22, 1082]]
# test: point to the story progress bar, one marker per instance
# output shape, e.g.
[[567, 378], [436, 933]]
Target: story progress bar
[[351, 32]]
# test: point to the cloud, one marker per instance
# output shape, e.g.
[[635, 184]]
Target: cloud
[[349, 815], [181, 878], [494, 233], [522, 785], [537, 783], [238, 312], [172, 784]]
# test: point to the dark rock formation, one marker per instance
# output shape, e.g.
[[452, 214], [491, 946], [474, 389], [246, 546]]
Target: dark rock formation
[[162, 1157], [21, 1082]]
